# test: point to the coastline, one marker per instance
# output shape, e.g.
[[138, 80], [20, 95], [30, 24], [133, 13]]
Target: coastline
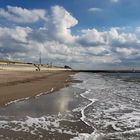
[[15, 85]]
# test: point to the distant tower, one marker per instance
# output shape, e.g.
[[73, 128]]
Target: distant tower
[[40, 58]]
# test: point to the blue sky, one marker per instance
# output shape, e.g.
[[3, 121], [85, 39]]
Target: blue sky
[[105, 33], [121, 13]]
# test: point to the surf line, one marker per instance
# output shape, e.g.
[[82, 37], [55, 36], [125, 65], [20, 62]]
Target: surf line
[[27, 98], [84, 108]]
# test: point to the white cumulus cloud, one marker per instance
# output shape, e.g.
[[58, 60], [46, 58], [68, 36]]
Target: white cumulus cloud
[[22, 15], [60, 23]]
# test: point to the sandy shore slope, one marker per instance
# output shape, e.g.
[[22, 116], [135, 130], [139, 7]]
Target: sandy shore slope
[[17, 85]]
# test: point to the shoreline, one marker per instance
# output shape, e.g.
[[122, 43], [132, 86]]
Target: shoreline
[[15, 86]]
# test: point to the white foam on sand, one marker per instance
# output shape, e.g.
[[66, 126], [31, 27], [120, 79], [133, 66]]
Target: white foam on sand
[[15, 101], [35, 125], [83, 118], [86, 136], [44, 93], [22, 99], [101, 136], [122, 120]]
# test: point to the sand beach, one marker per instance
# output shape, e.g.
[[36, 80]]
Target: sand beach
[[16, 85]]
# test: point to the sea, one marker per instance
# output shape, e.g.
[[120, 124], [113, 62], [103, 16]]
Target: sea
[[101, 106]]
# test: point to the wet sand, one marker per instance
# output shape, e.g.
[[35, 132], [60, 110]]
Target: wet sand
[[17, 85], [47, 117]]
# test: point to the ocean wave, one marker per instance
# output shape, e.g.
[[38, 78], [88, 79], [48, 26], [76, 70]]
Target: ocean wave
[[112, 108]]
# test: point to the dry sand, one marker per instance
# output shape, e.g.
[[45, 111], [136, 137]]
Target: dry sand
[[17, 85]]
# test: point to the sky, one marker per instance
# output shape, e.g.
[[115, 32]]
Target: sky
[[84, 34]]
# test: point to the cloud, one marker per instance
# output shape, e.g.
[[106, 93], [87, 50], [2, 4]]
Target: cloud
[[114, 1], [14, 41], [57, 43], [137, 30], [57, 27], [126, 51], [60, 23], [18, 33], [112, 43], [91, 37], [22, 15], [94, 9]]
